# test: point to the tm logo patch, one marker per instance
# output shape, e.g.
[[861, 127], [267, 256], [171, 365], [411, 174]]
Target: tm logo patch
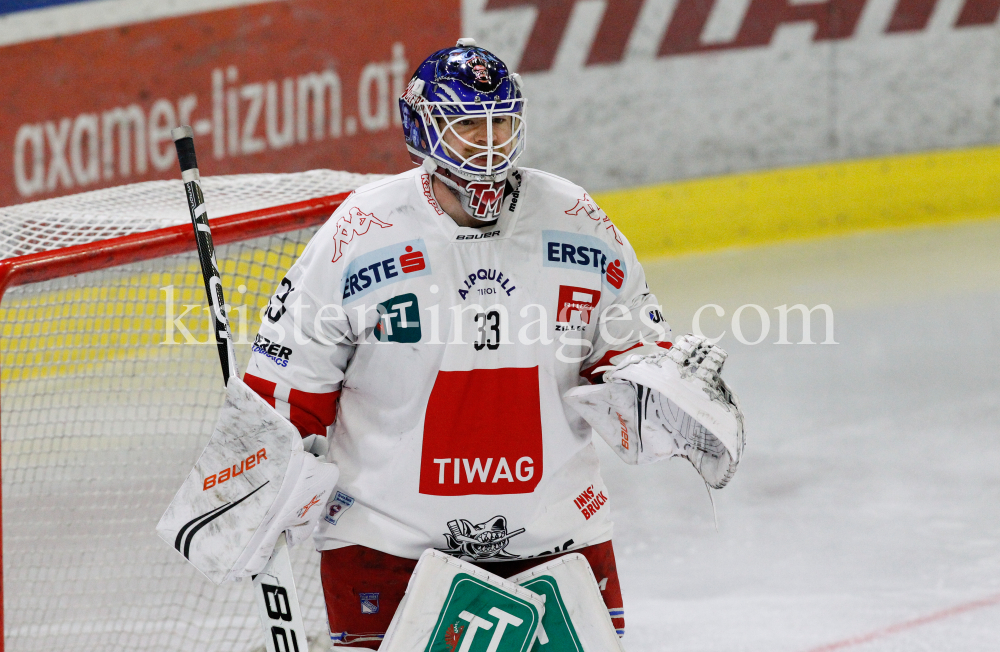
[[399, 320], [369, 603]]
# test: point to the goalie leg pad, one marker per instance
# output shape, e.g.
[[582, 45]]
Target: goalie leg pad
[[576, 617], [252, 482], [452, 606]]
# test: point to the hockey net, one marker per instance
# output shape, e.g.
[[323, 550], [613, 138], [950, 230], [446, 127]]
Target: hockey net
[[109, 390]]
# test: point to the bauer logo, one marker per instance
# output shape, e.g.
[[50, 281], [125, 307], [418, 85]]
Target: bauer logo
[[586, 254], [480, 617], [383, 267], [235, 470], [399, 320]]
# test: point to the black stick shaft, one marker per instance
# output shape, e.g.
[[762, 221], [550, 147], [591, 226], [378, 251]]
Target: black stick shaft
[[184, 141]]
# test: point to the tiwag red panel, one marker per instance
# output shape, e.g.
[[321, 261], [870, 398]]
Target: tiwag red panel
[[482, 433], [274, 87]]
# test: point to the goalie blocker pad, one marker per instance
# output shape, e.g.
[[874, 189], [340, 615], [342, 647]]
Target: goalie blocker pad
[[252, 482], [453, 606]]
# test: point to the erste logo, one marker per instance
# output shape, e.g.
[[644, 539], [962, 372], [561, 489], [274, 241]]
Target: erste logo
[[584, 253], [383, 267], [411, 261], [615, 275]]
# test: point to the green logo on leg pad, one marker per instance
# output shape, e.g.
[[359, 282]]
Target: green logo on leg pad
[[480, 617], [560, 636]]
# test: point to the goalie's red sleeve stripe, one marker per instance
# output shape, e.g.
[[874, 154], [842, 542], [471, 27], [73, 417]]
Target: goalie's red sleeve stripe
[[605, 360], [323, 405], [264, 388], [309, 412], [312, 413]]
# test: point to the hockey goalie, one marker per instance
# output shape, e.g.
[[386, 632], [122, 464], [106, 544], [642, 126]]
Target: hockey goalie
[[451, 339]]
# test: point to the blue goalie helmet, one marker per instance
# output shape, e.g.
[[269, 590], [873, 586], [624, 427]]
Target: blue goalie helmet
[[463, 119]]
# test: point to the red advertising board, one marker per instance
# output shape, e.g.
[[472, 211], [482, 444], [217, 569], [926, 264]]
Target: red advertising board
[[273, 87]]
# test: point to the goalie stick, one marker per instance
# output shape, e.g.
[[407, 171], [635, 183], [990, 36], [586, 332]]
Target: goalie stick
[[274, 586]]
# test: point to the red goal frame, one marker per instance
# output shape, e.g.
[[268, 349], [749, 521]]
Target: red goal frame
[[169, 241]]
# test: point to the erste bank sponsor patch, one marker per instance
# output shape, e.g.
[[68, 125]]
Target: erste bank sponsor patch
[[383, 267], [584, 253]]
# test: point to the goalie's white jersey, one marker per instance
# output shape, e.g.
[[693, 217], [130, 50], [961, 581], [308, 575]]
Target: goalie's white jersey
[[440, 355]]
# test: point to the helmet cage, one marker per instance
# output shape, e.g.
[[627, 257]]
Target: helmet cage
[[491, 159]]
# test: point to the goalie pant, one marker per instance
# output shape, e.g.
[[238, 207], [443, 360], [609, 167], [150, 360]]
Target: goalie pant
[[363, 588], [436, 357]]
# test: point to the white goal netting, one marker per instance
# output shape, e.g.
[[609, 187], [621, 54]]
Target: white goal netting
[[102, 416]]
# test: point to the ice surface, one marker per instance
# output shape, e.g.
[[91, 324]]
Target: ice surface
[[869, 493]]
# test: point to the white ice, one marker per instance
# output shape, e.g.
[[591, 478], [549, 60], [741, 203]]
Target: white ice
[[865, 515]]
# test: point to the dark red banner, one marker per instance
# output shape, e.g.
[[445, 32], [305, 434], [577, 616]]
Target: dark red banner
[[275, 87]]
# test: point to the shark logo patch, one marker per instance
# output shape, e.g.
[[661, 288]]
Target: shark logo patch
[[486, 540]]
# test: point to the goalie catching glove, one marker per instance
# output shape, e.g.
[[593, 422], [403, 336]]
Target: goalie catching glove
[[252, 482], [666, 404]]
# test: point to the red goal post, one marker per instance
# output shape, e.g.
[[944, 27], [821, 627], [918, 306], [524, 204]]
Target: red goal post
[[101, 416]]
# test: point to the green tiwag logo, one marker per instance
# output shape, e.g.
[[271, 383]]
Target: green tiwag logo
[[557, 633], [480, 617]]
